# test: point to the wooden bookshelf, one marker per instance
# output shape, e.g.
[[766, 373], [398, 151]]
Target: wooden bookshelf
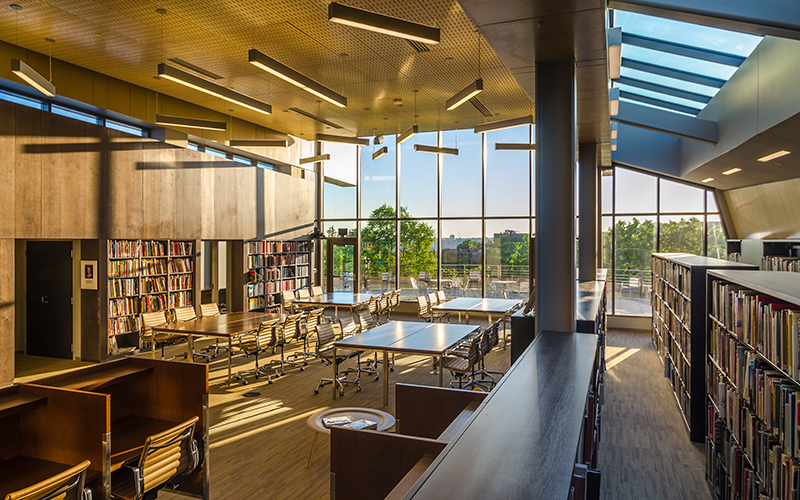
[[146, 276], [678, 328], [273, 267], [753, 381]]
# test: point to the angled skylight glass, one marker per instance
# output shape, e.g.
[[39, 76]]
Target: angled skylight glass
[[675, 65]]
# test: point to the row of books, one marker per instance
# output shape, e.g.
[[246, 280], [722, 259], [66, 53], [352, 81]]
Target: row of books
[[263, 301], [769, 325], [780, 263], [180, 282], [123, 268], [154, 249], [180, 265], [302, 271], [675, 274], [122, 307], [181, 248], [672, 332], [731, 473], [735, 256], [153, 266], [678, 371], [302, 259], [126, 324], [154, 284], [180, 299], [123, 287], [152, 303], [123, 249], [273, 247], [263, 287], [676, 300]]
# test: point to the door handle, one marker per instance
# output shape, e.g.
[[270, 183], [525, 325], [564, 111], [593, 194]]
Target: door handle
[[44, 299]]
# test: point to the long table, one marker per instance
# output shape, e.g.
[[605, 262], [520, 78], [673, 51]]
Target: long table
[[488, 307], [404, 337], [336, 300], [226, 326]]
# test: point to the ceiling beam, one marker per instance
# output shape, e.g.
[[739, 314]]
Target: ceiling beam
[[779, 18], [682, 50], [658, 102], [663, 89], [678, 74], [689, 127]]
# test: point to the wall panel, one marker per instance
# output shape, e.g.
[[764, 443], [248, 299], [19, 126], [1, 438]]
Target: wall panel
[[123, 184], [7, 169], [28, 173], [766, 211], [7, 311]]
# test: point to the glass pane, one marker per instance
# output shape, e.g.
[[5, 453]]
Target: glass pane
[[680, 62], [507, 254], [669, 82], [711, 202], [343, 257], [704, 37], [607, 193], [339, 193], [419, 174], [606, 238], [461, 257], [717, 243], [690, 112], [378, 179], [636, 193], [508, 173], [682, 234], [676, 197], [635, 241], [417, 257], [462, 174], [658, 95], [378, 255]]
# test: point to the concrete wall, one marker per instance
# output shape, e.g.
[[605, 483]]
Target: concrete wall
[[65, 179]]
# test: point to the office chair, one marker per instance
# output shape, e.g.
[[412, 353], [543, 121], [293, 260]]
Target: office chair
[[348, 327], [394, 301], [68, 485], [441, 296], [375, 306], [256, 342], [316, 290], [152, 320], [308, 326], [326, 336], [209, 311], [290, 332], [461, 366], [166, 456], [384, 303], [187, 313], [367, 323]]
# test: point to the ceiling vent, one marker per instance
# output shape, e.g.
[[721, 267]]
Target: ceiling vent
[[480, 107], [419, 46], [196, 69]]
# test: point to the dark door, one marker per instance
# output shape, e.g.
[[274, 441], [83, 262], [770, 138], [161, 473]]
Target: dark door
[[49, 298]]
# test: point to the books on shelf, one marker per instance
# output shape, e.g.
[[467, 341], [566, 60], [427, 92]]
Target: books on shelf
[[154, 267], [181, 248], [180, 265], [123, 268], [780, 263], [273, 267], [180, 299], [123, 287], [735, 256], [123, 249], [154, 249]]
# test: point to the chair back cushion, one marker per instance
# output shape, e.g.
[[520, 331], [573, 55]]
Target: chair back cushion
[[168, 454], [374, 303], [422, 305], [395, 300], [151, 319], [316, 290], [348, 326], [290, 329], [441, 296], [302, 293], [433, 299], [67, 485], [184, 314], [209, 310], [326, 336], [366, 320]]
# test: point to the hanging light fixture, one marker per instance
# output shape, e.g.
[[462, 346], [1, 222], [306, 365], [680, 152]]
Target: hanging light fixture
[[438, 150], [414, 129], [260, 143], [380, 153], [315, 159], [470, 90], [184, 121], [342, 140], [270, 65], [503, 124], [392, 26], [30, 75]]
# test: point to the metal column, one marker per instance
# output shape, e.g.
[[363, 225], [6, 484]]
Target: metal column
[[555, 196], [587, 212]]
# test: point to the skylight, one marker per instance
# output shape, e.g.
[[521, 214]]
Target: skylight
[[675, 65]]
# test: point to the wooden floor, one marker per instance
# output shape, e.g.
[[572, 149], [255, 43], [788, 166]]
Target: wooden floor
[[28, 367], [645, 450], [260, 444]]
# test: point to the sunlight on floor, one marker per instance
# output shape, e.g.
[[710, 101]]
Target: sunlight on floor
[[265, 428], [616, 355]]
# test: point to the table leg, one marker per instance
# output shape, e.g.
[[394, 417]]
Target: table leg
[[467, 314], [440, 370], [190, 349], [385, 378], [230, 351], [459, 318], [336, 313], [313, 445], [153, 347], [335, 372]]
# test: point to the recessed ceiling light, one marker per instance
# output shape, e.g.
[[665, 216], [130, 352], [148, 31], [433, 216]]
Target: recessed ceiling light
[[707, 179], [731, 171], [16, 7], [774, 155], [448, 59]]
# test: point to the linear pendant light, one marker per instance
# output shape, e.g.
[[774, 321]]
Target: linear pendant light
[[514, 146], [270, 65], [380, 153], [504, 124], [315, 159], [342, 140], [196, 83], [182, 121], [408, 134], [465, 95], [433, 149], [392, 26], [33, 78], [260, 143]]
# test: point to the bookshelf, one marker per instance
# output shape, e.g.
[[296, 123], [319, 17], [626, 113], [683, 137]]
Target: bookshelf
[[678, 328], [273, 267], [753, 446], [771, 255], [146, 276]]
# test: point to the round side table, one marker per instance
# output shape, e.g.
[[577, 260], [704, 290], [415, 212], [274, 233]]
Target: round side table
[[385, 421]]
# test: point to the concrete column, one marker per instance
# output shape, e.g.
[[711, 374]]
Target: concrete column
[[587, 212], [555, 196]]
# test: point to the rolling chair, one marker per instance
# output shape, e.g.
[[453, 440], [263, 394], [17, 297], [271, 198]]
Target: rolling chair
[[290, 332], [492, 340], [256, 342], [367, 322], [326, 336], [153, 320], [316, 290], [394, 301], [187, 313], [308, 326], [209, 311], [461, 366], [69, 485], [166, 456]]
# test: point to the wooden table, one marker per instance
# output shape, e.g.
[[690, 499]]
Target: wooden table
[[406, 337], [489, 307], [226, 326], [384, 420], [336, 300]]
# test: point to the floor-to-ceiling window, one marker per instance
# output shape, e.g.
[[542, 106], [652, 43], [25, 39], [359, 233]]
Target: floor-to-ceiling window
[[641, 214]]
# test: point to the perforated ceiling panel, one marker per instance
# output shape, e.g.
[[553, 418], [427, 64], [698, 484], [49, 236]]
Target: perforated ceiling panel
[[126, 39]]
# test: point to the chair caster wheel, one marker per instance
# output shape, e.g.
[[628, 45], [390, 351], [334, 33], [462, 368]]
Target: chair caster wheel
[[391, 369], [316, 391], [358, 389], [302, 369], [244, 382], [208, 361], [341, 393], [270, 381], [377, 378], [305, 363]]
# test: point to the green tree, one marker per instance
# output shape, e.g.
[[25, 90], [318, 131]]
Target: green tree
[[635, 241], [685, 235], [378, 241]]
